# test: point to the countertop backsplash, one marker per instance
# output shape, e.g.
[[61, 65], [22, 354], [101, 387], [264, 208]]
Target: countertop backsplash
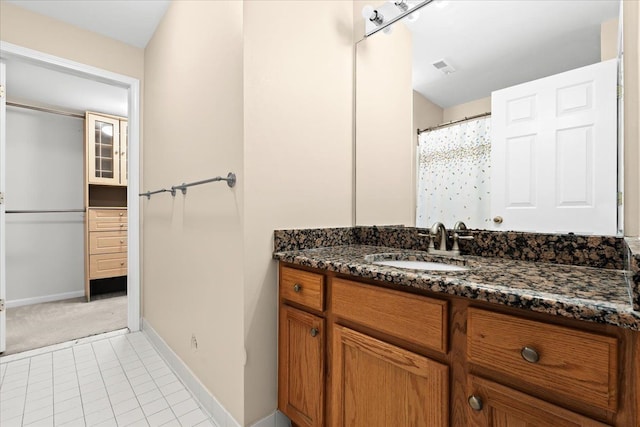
[[589, 251]]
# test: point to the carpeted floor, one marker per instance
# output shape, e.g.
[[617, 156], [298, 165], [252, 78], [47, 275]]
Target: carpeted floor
[[39, 325]]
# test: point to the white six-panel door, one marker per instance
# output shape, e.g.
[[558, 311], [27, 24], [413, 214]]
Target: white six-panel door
[[554, 153]]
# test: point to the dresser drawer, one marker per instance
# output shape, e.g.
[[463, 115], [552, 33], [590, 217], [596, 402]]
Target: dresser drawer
[[302, 287], [106, 242], [577, 364], [413, 318], [107, 265], [107, 219]]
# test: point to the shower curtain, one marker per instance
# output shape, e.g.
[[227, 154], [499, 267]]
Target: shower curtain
[[454, 172]]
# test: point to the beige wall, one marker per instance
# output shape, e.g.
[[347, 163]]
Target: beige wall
[[609, 39], [425, 112], [468, 109], [298, 92], [276, 110], [192, 262], [28, 29], [631, 19], [385, 138]]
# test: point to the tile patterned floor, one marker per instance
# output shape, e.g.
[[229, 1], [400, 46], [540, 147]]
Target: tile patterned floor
[[117, 381]]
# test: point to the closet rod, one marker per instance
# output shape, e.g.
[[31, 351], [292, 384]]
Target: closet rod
[[45, 110], [20, 211], [453, 122]]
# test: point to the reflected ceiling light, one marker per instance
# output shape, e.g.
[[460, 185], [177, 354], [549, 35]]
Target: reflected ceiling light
[[404, 6], [368, 12]]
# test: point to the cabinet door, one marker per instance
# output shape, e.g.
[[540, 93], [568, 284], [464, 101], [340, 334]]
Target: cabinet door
[[376, 384], [103, 141], [124, 144], [494, 405], [301, 367]]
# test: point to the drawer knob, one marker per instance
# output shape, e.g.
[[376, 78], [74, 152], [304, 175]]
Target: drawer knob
[[314, 332], [530, 354], [121, 225], [122, 263], [297, 288], [121, 241], [475, 402], [121, 213]]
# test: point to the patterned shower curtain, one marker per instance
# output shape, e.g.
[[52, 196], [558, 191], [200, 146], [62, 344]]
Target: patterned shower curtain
[[454, 172]]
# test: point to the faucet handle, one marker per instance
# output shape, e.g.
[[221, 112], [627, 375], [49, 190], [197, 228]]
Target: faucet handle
[[430, 236], [457, 237]]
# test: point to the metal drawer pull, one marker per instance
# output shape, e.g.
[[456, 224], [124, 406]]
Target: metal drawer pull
[[314, 332], [530, 354], [297, 288], [475, 402]]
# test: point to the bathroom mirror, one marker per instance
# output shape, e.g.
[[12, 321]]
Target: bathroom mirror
[[443, 67]]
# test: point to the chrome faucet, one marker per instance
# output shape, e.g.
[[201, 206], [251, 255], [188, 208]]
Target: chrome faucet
[[439, 232], [438, 229]]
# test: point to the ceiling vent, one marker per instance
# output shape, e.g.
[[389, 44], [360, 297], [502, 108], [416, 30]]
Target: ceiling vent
[[442, 66]]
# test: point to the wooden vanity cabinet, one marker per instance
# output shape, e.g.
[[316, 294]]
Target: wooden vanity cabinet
[[301, 347], [386, 357]]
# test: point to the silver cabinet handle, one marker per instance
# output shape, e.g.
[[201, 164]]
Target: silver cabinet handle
[[297, 288], [475, 402], [314, 332], [530, 354]]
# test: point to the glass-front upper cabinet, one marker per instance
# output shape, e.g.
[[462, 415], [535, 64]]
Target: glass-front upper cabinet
[[106, 150]]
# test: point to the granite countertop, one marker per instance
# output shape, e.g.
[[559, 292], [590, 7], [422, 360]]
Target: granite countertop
[[583, 293]]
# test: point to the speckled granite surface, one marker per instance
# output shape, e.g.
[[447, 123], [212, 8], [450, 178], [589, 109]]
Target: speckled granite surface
[[591, 251], [633, 243], [584, 293]]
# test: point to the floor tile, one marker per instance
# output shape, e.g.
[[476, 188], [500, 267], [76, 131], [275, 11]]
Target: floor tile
[[184, 407], [192, 418], [131, 417], [155, 406], [74, 402], [70, 414], [161, 418], [118, 381]]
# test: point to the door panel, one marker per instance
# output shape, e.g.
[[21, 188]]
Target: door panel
[[554, 153]]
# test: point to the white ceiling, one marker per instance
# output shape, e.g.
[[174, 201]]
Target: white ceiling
[[497, 44], [130, 21]]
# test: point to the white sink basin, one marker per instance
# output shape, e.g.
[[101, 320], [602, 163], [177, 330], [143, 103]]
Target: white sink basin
[[421, 265]]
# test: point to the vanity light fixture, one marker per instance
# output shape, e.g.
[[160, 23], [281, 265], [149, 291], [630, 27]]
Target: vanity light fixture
[[404, 6], [368, 12], [394, 10]]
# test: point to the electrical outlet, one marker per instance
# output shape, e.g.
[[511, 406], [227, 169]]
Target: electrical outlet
[[194, 342]]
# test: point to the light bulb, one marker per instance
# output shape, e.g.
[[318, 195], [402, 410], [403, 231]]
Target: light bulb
[[367, 11]]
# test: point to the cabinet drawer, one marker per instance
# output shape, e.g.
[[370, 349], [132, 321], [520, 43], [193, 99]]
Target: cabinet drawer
[[106, 242], [573, 363], [302, 287], [107, 265], [503, 406], [107, 219], [413, 318]]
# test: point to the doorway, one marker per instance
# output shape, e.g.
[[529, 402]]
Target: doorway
[[61, 194]]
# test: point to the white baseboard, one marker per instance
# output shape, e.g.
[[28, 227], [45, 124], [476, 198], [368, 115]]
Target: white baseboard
[[44, 298], [277, 419], [219, 414]]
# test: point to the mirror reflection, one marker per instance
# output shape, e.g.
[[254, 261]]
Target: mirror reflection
[[545, 63]]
